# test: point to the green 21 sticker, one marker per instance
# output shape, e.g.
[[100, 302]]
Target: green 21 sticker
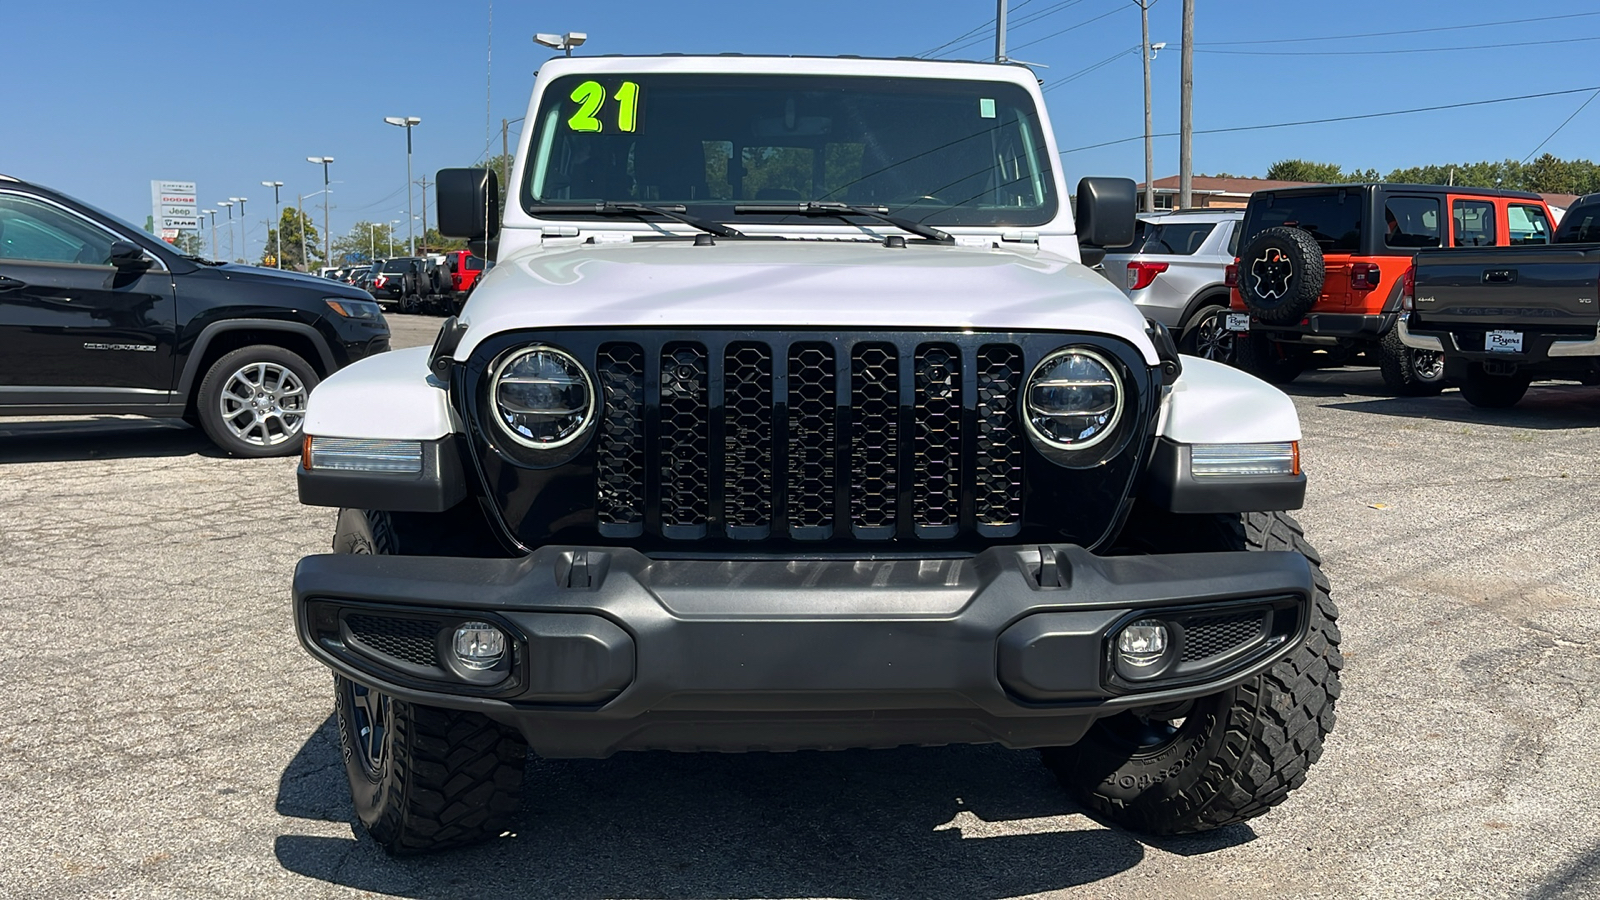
[[591, 98]]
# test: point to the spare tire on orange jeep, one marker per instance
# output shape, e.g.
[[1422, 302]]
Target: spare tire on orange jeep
[[1280, 275]]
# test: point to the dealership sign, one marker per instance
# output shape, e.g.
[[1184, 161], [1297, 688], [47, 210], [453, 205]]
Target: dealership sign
[[175, 206]]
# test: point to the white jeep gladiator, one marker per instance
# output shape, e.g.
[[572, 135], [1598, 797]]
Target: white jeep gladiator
[[791, 417]]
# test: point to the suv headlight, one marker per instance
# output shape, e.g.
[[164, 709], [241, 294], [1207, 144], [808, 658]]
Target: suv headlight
[[354, 309], [543, 398], [1074, 399]]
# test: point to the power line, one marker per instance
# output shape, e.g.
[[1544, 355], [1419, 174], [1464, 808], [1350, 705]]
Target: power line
[[1203, 49], [967, 40], [1086, 70], [1562, 125], [1347, 37], [1047, 37], [1377, 115]]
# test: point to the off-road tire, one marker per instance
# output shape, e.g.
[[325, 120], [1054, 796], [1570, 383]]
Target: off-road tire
[[443, 777], [1303, 277], [1409, 372], [1487, 391], [208, 399], [1236, 754], [1274, 362], [1206, 336]]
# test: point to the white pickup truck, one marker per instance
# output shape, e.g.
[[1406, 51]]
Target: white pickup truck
[[791, 417]]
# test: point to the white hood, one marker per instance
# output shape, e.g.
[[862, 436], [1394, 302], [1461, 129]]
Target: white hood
[[796, 284]]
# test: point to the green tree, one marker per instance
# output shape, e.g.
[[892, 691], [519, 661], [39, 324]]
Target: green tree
[[1318, 172], [366, 239], [294, 226], [189, 243], [433, 240], [500, 164]]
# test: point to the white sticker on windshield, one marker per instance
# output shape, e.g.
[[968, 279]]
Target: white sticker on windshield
[[986, 108]]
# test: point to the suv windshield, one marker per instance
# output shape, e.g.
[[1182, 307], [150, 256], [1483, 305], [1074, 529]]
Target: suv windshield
[[402, 264], [1333, 217], [939, 151]]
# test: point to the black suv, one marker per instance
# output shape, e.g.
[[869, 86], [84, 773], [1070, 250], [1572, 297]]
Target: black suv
[[98, 316]]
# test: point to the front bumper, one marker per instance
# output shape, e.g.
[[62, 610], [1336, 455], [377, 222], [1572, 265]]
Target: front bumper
[[613, 650]]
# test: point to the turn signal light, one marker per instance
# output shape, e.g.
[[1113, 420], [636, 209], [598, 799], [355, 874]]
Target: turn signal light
[[1245, 459], [1140, 274], [362, 455], [1230, 275]]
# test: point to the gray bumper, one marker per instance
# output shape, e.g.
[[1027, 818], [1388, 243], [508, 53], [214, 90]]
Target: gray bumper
[[614, 650]]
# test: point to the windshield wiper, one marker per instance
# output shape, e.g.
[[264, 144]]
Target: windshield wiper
[[677, 213], [843, 210], [203, 261]]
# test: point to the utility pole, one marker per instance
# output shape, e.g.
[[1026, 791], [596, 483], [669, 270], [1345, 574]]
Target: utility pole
[[1000, 32], [1149, 122], [505, 152], [424, 182], [1186, 112]]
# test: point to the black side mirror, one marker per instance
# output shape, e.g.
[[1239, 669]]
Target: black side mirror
[[469, 204], [128, 256], [1107, 212]]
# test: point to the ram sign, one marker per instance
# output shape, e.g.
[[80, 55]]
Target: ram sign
[[175, 207]]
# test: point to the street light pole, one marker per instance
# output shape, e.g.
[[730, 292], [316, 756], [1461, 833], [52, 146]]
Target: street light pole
[[1149, 122], [213, 214], [408, 122], [228, 205], [277, 219], [372, 242], [327, 236], [424, 182], [244, 235], [561, 41]]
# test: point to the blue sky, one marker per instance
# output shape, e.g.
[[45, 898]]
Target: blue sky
[[101, 97]]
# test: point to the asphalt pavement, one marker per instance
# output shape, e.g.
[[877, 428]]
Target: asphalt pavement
[[165, 736]]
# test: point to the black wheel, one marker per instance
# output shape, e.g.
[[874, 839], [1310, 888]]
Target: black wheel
[[421, 778], [1228, 757], [1281, 272], [1493, 391], [1205, 335], [1409, 372], [252, 401], [1274, 362]]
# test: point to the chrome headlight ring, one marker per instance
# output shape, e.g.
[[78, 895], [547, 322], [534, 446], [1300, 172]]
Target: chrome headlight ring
[[1073, 383], [542, 398]]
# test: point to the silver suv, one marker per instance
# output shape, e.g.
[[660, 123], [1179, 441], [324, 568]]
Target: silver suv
[[1174, 273]]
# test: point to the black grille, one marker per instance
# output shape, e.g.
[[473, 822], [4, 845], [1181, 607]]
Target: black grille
[[621, 483], [753, 439], [1211, 636], [408, 640]]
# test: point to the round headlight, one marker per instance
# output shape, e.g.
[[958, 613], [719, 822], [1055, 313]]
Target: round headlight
[[1074, 399], [542, 397]]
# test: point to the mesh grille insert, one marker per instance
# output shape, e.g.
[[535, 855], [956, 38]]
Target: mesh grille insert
[[620, 473], [685, 437], [747, 441], [408, 640], [1210, 636], [874, 438], [811, 440], [936, 445], [998, 477]]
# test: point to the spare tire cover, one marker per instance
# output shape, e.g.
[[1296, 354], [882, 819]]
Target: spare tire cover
[[1280, 275]]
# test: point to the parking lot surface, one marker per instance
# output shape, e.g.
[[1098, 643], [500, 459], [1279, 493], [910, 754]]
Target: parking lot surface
[[165, 736]]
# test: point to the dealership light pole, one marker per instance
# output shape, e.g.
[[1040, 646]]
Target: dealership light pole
[[277, 218], [228, 205], [327, 236], [408, 123], [213, 214], [244, 235], [561, 41]]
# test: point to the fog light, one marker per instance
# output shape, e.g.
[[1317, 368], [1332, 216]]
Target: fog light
[[1142, 644], [479, 645]]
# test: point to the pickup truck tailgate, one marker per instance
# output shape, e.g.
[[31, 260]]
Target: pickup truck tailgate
[[1534, 286]]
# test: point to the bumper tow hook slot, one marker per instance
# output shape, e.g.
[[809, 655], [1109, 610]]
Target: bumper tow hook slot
[[1049, 568]]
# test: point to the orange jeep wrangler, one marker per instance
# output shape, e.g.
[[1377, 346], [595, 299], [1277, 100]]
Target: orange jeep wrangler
[[1321, 270]]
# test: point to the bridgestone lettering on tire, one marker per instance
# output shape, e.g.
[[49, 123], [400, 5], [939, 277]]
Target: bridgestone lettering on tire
[[442, 777], [1281, 273], [1231, 756]]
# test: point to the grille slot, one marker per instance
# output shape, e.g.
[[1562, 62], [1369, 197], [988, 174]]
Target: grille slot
[[619, 475], [1210, 636], [747, 440], [412, 641], [874, 439], [685, 440], [812, 441], [998, 476], [936, 444]]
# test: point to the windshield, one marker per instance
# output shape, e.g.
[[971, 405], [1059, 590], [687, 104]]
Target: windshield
[[943, 152], [397, 265], [1332, 218]]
